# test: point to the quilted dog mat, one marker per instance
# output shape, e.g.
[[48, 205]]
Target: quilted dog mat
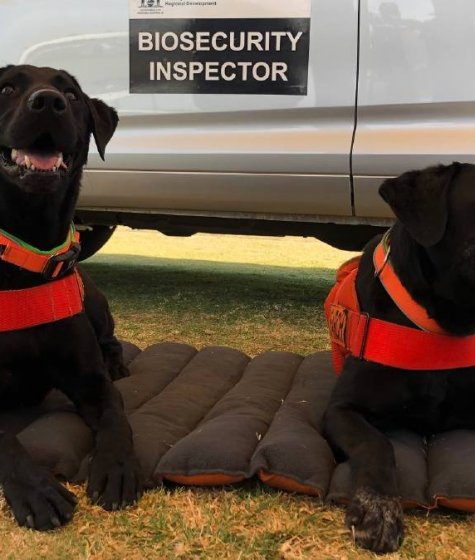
[[216, 416]]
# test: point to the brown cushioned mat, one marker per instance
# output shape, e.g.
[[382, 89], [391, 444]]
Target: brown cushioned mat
[[216, 416]]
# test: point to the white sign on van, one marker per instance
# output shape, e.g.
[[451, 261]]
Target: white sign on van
[[219, 46]]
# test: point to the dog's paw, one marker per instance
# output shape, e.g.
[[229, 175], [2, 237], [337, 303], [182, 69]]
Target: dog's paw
[[114, 361], [376, 521], [117, 370], [38, 500], [115, 480]]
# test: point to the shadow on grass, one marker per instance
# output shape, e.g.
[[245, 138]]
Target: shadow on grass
[[130, 278], [247, 306]]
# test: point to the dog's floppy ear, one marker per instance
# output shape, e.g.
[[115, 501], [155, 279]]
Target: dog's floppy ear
[[419, 200], [5, 68], [104, 121]]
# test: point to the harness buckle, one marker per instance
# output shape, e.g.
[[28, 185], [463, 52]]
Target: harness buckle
[[59, 264], [364, 337]]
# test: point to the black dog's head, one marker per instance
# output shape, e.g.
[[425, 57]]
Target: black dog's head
[[436, 206], [45, 124]]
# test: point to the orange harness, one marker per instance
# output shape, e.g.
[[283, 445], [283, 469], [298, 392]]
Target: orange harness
[[355, 333], [48, 263], [56, 299]]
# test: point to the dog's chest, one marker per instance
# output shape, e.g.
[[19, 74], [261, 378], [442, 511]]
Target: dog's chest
[[25, 385], [423, 410], [431, 402], [27, 370]]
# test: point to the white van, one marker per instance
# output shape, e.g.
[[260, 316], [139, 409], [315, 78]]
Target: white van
[[257, 116]]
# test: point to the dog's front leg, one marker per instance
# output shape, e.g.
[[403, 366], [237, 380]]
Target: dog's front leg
[[375, 513], [99, 315], [37, 499], [115, 479]]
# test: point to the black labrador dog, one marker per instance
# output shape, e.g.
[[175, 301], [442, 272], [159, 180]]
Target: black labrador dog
[[46, 121], [432, 251]]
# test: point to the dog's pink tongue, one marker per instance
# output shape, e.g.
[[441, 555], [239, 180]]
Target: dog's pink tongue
[[40, 161]]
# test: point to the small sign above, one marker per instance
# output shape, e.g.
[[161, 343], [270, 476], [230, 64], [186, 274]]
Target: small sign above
[[208, 46]]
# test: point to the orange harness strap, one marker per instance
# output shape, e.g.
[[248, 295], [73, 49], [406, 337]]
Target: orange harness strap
[[30, 307], [398, 293], [56, 299], [355, 333], [48, 263]]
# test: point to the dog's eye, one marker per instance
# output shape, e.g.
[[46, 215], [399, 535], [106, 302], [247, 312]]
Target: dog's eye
[[71, 95], [7, 90]]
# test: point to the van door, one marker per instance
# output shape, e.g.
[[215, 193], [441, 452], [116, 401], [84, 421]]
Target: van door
[[271, 154], [416, 102]]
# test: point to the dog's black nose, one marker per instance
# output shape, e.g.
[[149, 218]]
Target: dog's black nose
[[46, 100]]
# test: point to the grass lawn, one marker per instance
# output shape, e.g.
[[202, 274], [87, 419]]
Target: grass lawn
[[253, 294], [247, 292]]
